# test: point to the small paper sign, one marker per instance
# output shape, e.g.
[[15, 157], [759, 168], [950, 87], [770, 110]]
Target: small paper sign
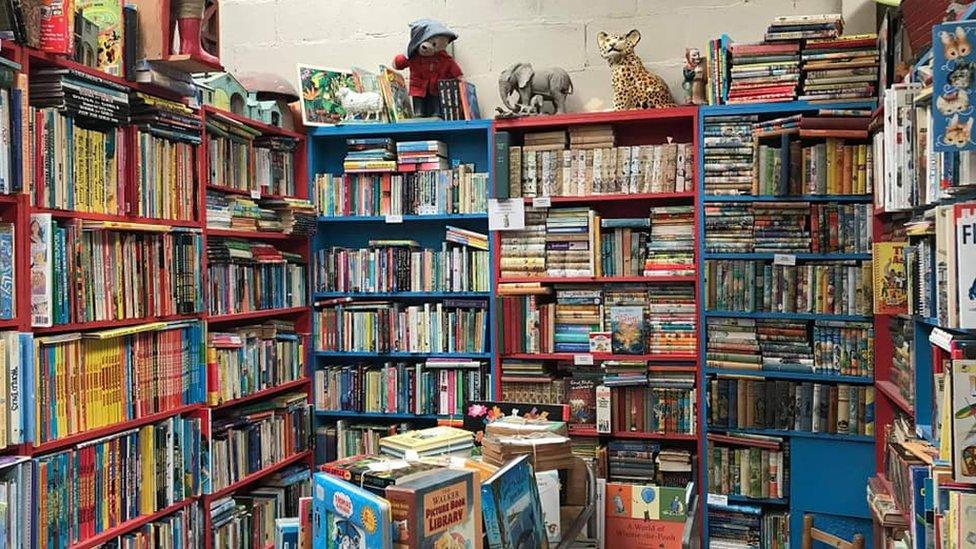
[[583, 360], [541, 202], [718, 499], [506, 215], [394, 218], [255, 194], [784, 259]]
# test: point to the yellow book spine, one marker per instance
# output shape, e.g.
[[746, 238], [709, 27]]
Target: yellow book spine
[[147, 484]]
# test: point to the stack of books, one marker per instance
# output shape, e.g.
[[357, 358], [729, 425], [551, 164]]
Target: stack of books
[[729, 149], [674, 467], [374, 472], [370, 154], [764, 73], [568, 240], [274, 165], [421, 155], [523, 252], [218, 210], [79, 95], [732, 344], [670, 251], [577, 314], [591, 137], [840, 67], [530, 382], [164, 118], [435, 441], [671, 318], [295, 216], [554, 140], [728, 227], [793, 28], [738, 525], [466, 237], [781, 227], [785, 345], [546, 450], [632, 461]]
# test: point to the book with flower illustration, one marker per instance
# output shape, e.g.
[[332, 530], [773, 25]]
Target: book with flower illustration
[[627, 329], [479, 413]]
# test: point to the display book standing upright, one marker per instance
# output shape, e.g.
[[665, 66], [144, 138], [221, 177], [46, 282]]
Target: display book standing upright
[[786, 386], [136, 202], [926, 327], [401, 278], [595, 296]]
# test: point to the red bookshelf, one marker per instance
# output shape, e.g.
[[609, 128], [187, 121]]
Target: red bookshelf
[[256, 476], [263, 235], [110, 324], [659, 198], [92, 216], [653, 436], [263, 393], [255, 315], [596, 279], [600, 357], [264, 128], [131, 525]]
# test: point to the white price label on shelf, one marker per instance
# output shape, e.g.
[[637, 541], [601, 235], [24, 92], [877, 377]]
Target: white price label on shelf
[[784, 259], [541, 202], [583, 360], [394, 218], [255, 194], [718, 499]]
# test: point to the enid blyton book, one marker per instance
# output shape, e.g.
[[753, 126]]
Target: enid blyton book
[[511, 508], [627, 330], [346, 516], [437, 510]]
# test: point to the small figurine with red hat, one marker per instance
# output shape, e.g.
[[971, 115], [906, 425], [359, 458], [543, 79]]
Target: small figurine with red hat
[[428, 64]]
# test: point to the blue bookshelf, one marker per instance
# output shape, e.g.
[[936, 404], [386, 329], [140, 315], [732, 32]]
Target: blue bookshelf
[[809, 490], [468, 142]]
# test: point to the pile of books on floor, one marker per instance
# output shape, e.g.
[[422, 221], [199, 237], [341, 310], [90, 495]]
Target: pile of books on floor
[[370, 154], [840, 67], [729, 148], [413, 156], [435, 441]]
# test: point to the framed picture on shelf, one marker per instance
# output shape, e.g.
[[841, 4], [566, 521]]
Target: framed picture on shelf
[[320, 94]]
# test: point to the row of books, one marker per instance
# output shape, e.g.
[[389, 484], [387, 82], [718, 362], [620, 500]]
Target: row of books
[[822, 288], [85, 381], [553, 170], [231, 148], [646, 462], [844, 348], [432, 192], [274, 165], [250, 519], [788, 227], [421, 155], [181, 529], [346, 438], [155, 273], [435, 387], [248, 359], [902, 372], [253, 437], [650, 409], [623, 320], [449, 326], [829, 168], [740, 525], [752, 466], [83, 490], [401, 266], [740, 403], [250, 276], [166, 179]]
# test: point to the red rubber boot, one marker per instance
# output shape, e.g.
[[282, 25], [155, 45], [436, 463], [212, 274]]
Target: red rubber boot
[[190, 40]]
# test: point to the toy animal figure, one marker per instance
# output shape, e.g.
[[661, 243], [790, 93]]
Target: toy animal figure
[[634, 87], [957, 133], [953, 102], [428, 64], [552, 85], [694, 73], [956, 44], [188, 15], [366, 105]]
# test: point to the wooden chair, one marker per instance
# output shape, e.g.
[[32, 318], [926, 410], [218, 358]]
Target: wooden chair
[[810, 534]]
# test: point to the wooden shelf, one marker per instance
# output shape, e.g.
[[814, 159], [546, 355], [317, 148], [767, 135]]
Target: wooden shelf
[[256, 124], [130, 525], [636, 197], [891, 391], [255, 315], [254, 477], [596, 279], [111, 324], [677, 114], [263, 393], [77, 438], [92, 216], [247, 192]]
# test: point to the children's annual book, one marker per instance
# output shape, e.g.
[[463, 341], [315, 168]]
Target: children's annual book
[[890, 280], [965, 217], [396, 94], [511, 508], [437, 509], [348, 517], [627, 326]]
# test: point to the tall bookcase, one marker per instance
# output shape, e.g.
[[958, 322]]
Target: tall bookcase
[[833, 494], [18, 208], [467, 142], [632, 130]]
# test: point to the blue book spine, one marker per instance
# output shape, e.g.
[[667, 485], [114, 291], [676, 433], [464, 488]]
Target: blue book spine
[[27, 385], [490, 514], [16, 138]]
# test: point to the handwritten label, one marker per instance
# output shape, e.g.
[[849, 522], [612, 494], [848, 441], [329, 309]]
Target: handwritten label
[[718, 499], [541, 202], [506, 215], [255, 194], [784, 259], [394, 218], [583, 360]]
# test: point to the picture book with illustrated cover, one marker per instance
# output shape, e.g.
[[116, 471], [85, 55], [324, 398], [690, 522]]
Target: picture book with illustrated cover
[[437, 509], [963, 387], [627, 329], [479, 413], [644, 517], [582, 401], [952, 86], [548, 485], [396, 94], [107, 16], [41, 288], [890, 279], [965, 217], [348, 517], [367, 81], [57, 26], [319, 94], [511, 508]]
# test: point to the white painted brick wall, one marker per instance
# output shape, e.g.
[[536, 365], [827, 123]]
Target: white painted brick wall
[[274, 35]]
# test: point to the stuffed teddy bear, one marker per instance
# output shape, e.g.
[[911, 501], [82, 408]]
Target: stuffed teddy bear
[[428, 64]]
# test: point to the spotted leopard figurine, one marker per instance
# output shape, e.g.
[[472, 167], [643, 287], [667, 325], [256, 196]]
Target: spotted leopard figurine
[[634, 87]]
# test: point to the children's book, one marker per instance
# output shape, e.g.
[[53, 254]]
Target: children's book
[[437, 509], [435, 440], [582, 401], [286, 533], [396, 94], [644, 517], [368, 81], [320, 98], [107, 16], [548, 485], [373, 472], [965, 217], [627, 327], [348, 517], [40, 269], [890, 280], [479, 413], [511, 508], [305, 523], [57, 26]]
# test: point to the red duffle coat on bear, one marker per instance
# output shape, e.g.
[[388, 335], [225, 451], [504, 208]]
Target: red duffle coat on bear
[[425, 72]]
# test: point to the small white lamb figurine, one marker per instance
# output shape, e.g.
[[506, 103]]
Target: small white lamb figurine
[[367, 104]]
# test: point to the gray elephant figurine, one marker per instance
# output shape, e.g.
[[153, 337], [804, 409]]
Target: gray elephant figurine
[[552, 85]]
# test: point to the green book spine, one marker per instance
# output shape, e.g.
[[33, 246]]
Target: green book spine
[[502, 142]]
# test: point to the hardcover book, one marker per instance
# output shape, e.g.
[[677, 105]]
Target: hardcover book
[[107, 16], [627, 326], [437, 509], [511, 508], [890, 279], [644, 516], [965, 216], [349, 517]]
